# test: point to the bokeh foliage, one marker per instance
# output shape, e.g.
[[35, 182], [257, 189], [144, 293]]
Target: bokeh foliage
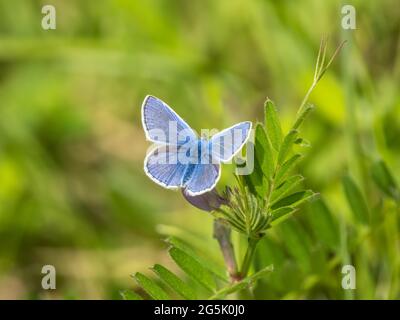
[[72, 189]]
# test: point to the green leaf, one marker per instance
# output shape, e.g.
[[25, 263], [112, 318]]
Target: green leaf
[[174, 282], [148, 285], [384, 179], [206, 262], [297, 243], [242, 284], [286, 146], [302, 115], [130, 295], [323, 224], [294, 199], [263, 151], [287, 186], [193, 268], [356, 200], [263, 163], [286, 167], [302, 142], [255, 182], [272, 124], [281, 215]]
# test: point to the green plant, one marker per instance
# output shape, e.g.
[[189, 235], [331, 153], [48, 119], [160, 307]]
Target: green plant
[[258, 202]]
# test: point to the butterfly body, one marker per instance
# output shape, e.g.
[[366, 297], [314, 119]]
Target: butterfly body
[[181, 159], [188, 173]]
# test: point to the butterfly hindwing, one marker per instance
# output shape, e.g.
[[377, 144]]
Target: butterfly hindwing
[[162, 165], [203, 178]]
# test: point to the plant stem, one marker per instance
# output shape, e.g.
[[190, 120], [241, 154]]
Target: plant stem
[[252, 243], [307, 96], [222, 234], [320, 69]]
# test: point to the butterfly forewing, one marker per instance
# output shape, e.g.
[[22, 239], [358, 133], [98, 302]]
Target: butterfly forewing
[[228, 142], [162, 125]]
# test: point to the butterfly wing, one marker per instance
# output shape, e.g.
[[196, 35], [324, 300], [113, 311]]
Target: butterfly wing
[[162, 165], [162, 125], [203, 179], [228, 142]]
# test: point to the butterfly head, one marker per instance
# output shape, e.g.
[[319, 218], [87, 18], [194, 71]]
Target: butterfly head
[[204, 136]]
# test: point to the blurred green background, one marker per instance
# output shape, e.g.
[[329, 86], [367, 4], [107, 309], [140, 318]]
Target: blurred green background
[[73, 193]]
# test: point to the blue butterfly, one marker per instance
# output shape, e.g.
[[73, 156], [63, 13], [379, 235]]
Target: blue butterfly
[[181, 159]]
